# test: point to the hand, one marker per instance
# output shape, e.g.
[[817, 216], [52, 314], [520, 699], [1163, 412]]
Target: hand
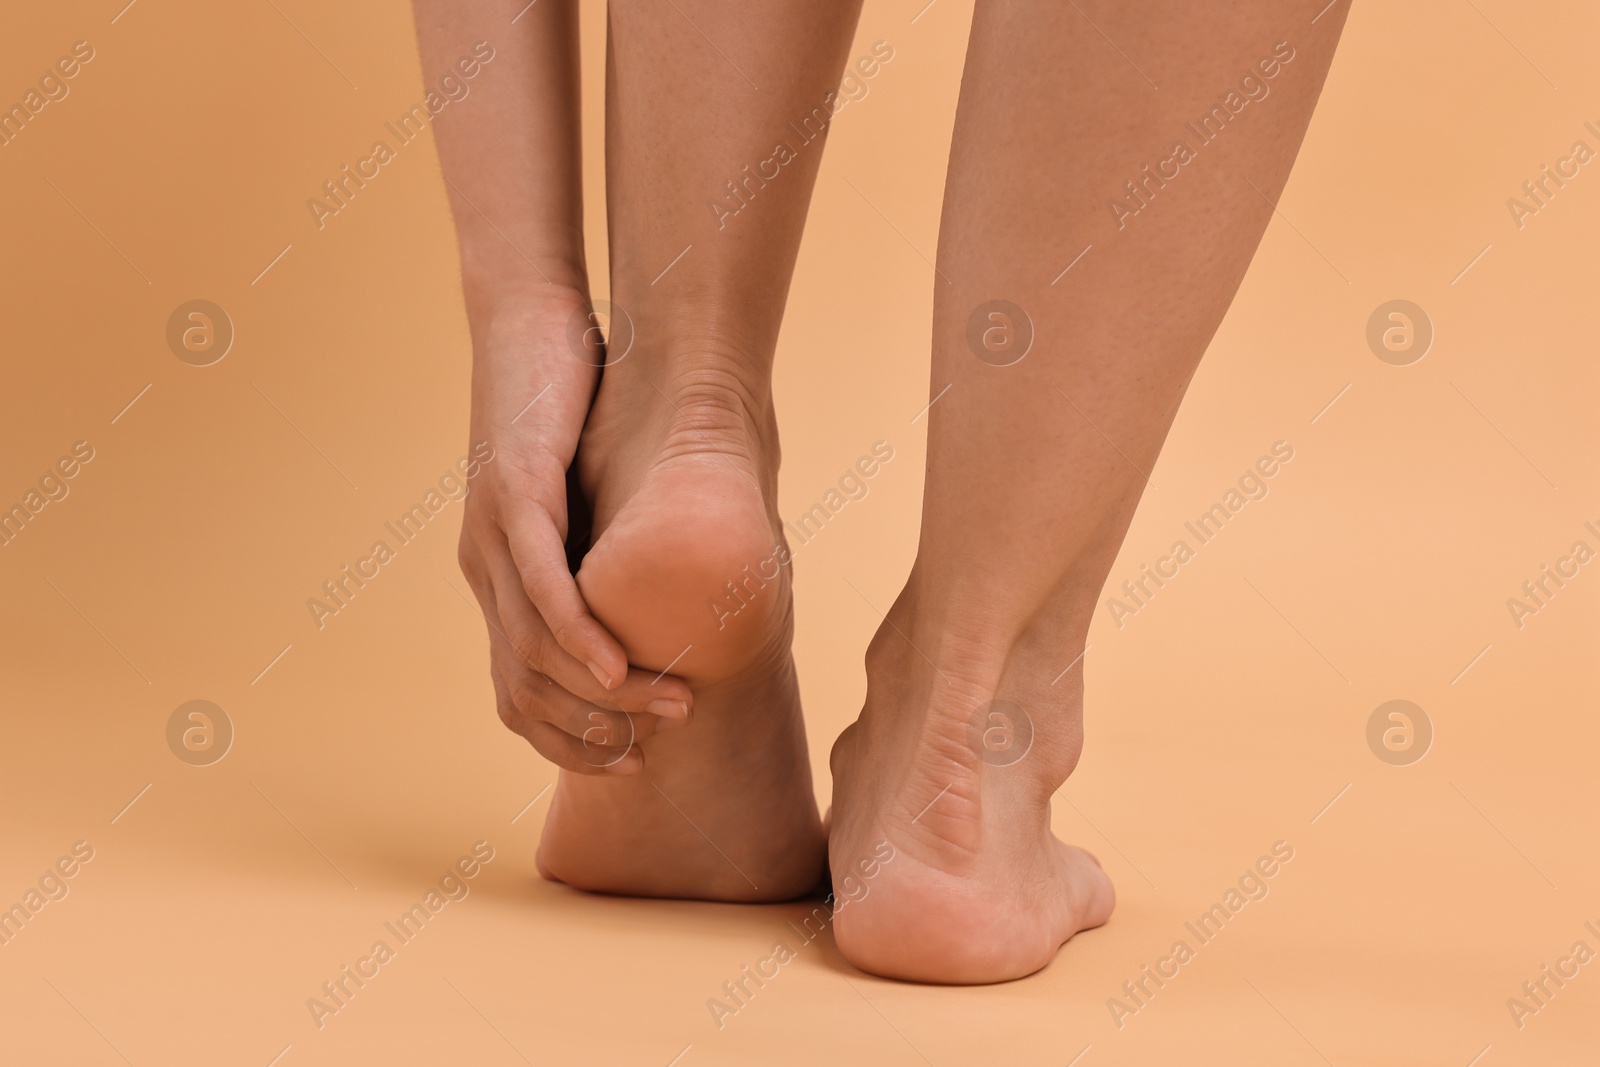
[[561, 680]]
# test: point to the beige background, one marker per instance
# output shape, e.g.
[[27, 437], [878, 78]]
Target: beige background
[[1225, 716]]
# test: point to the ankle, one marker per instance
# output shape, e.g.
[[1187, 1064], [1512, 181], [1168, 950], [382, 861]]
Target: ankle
[[985, 625], [713, 395], [1002, 691], [703, 335]]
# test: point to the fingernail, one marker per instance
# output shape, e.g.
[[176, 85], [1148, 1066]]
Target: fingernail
[[599, 672], [676, 710]]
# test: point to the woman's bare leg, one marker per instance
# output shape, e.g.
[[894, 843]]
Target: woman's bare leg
[[1034, 469], [716, 113], [509, 149]]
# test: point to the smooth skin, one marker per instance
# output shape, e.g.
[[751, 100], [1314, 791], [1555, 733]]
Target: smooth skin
[[679, 452], [510, 158]]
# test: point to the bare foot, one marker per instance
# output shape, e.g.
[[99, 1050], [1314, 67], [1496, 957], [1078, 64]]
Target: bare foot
[[954, 766], [688, 570]]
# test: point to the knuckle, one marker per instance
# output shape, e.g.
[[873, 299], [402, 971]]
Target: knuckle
[[510, 716], [525, 697], [528, 643], [565, 631], [557, 748], [533, 580]]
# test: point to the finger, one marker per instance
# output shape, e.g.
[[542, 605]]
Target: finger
[[512, 717], [657, 694], [537, 697], [570, 754], [525, 629], [546, 739], [514, 620], [527, 700], [522, 695], [541, 560], [469, 558], [606, 733]]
